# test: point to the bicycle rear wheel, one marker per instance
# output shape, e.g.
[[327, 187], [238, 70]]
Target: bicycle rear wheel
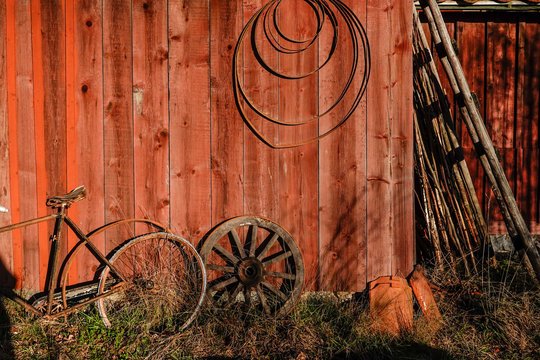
[[165, 283]]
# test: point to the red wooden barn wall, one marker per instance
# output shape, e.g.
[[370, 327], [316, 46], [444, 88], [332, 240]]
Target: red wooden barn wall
[[133, 98], [500, 54]]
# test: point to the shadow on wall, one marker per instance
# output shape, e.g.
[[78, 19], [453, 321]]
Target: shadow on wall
[[7, 281]]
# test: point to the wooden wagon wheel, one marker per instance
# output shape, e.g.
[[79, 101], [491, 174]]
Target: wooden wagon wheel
[[256, 262]]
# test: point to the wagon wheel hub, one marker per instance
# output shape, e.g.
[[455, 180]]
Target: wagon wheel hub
[[250, 272], [253, 260]]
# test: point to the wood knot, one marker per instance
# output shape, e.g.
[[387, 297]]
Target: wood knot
[[163, 54]]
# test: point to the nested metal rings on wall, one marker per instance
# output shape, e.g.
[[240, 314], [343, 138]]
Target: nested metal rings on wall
[[264, 33]]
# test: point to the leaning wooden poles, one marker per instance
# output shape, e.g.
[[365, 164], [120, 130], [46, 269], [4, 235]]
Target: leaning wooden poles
[[454, 224], [475, 126]]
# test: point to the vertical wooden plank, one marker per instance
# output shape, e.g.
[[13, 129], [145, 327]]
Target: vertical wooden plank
[[189, 110], [39, 126], [527, 121], [509, 160], [501, 50], [472, 44], [71, 124], [528, 172], [261, 163], [53, 42], [26, 167], [402, 162], [528, 86], [226, 125], [54, 102], [500, 101], [150, 105], [11, 65], [298, 99], [6, 255], [87, 152], [118, 116], [379, 177], [342, 173]]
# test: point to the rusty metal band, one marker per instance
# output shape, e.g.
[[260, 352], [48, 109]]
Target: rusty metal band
[[285, 45]]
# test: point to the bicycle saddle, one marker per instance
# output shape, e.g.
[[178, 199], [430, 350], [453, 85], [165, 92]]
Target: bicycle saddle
[[67, 199]]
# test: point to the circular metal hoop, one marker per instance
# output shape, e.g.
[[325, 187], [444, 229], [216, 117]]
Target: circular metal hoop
[[165, 282], [254, 261], [333, 10]]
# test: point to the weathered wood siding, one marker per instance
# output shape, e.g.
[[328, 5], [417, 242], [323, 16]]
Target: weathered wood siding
[[500, 53], [134, 99]]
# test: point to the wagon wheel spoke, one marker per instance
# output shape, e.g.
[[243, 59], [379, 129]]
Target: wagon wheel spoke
[[275, 290], [226, 255], [276, 258], [225, 269], [215, 298], [255, 257], [236, 243], [280, 275], [232, 298], [247, 297], [221, 283], [266, 245], [252, 234], [262, 297]]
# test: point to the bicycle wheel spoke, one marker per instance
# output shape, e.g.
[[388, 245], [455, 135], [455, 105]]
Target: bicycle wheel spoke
[[225, 269], [225, 255], [280, 275], [276, 258], [267, 245], [236, 243], [274, 290]]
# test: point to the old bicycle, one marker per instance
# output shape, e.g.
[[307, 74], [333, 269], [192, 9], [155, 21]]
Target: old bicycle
[[156, 277]]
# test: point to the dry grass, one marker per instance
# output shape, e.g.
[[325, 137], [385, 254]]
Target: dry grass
[[489, 317], [495, 315]]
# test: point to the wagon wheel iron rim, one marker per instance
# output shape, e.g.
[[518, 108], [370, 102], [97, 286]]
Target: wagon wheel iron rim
[[255, 262]]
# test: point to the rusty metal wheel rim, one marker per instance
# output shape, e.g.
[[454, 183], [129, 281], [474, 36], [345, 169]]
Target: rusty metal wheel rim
[[254, 261]]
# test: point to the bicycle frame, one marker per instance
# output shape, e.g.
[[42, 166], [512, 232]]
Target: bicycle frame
[[52, 276]]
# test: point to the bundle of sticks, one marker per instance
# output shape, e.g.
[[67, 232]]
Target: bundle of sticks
[[472, 118], [452, 228]]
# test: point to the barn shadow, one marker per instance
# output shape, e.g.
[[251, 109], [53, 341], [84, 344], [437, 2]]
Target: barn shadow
[[7, 281]]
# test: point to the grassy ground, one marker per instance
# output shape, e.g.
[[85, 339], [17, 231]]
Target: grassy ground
[[492, 316]]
